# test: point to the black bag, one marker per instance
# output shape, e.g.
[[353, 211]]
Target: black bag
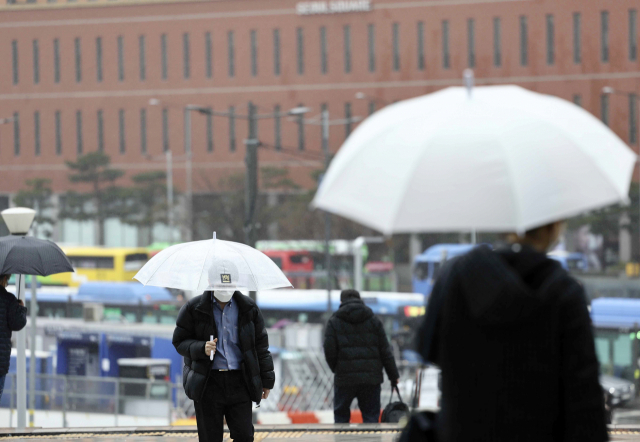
[[395, 411]]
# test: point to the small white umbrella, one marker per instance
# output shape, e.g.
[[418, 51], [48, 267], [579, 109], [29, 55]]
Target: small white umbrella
[[212, 264], [495, 158]]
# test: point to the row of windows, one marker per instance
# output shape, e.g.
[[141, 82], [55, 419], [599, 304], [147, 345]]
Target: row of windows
[[124, 117], [634, 107], [347, 45]]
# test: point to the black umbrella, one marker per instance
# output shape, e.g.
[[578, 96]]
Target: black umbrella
[[26, 255]]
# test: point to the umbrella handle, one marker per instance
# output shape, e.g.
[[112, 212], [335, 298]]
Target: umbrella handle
[[211, 355], [18, 281]]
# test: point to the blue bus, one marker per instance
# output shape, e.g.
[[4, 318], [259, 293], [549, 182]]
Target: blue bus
[[427, 264]]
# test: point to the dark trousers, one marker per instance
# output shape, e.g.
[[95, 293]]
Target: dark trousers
[[368, 402], [226, 396]]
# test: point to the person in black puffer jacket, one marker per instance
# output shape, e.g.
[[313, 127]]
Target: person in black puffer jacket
[[13, 317], [356, 349]]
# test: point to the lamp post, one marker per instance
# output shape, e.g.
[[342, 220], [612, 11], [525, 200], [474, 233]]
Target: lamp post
[[18, 221], [608, 90]]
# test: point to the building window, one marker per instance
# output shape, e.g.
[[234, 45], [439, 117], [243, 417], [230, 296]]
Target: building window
[[143, 131], [633, 119], [577, 38], [78, 54], [420, 36], [324, 65], [100, 131], [372, 107], [58, 122], [347, 48], [276, 52], [16, 134], [254, 52], [551, 56], [372, 47], [300, 122], [524, 41], [210, 131], [120, 58], [396, 46], [164, 60], [36, 62], [347, 118], [446, 62], [577, 100], [165, 130], [143, 58], [121, 137], [56, 61], [604, 108], [497, 42], [208, 52], [186, 62], [14, 58], [471, 43], [79, 145], [99, 59], [277, 129], [604, 30], [300, 50], [36, 132], [633, 34], [232, 129], [231, 53]]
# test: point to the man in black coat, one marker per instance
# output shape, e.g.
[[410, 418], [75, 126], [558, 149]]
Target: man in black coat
[[241, 371], [356, 348], [13, 317], [511, 332]]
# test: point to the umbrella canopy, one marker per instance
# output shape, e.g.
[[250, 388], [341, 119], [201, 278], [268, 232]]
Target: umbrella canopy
[[495, 158], [212, 264], [26, 255]]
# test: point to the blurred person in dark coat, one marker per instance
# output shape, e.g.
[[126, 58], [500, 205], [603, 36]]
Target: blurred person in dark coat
[[356, 349], [511, 331], [13, 317]]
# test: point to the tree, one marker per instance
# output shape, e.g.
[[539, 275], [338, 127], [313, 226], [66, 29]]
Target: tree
[[103, 200], [149, 201], [38, 197]]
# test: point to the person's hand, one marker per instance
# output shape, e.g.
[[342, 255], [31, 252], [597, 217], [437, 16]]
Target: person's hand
[[210, 347], [21, 302], [394, 382], [265, 393]]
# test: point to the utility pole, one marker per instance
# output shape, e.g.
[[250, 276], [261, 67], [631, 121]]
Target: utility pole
[[327, 216], [251, 181]]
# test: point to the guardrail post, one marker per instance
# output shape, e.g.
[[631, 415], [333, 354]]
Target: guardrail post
[[169, 400], [65, 402], [11, 402], [117, 404]]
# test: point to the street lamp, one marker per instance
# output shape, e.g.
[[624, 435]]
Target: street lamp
[[608, 90], [18, 221]]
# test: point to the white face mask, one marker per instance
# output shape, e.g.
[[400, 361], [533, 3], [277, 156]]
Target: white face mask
[[223, 295]]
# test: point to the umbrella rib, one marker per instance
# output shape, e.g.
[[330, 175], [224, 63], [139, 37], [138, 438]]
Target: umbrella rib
[[252, 277], [204, 262]]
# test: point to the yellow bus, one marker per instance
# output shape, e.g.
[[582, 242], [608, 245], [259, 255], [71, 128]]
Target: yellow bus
[[99, 264]]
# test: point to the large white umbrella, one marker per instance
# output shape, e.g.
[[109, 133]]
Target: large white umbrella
[[210, 265], [495, 158]]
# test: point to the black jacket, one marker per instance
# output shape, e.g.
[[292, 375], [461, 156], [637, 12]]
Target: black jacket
[[356, 346], [195, 325], [13, 317], [514, 341]]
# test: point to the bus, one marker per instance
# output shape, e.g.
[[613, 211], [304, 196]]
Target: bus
[[99, 264], [297, 265], [427, 265]]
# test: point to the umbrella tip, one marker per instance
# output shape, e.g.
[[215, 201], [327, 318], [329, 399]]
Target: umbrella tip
[[469, 80], [214, 235]]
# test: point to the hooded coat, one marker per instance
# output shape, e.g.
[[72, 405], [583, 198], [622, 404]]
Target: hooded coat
[[13, 317], [512, 334], [356, 346], [194, 327]]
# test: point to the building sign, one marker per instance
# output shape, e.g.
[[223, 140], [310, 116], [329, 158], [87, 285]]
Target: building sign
[[333, 7]]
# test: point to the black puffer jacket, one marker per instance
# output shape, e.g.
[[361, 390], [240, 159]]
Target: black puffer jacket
[[513, 339], [13, 317], [195, 325], [356, 346]]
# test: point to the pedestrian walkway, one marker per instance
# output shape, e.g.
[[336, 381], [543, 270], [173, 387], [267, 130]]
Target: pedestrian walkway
[[264, 433]]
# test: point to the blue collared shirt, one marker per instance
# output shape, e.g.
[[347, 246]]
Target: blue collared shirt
[[228, 355]]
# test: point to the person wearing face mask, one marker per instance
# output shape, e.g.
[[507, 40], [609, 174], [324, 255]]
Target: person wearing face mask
[[511, 332], [13, 317], [224, 375]]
